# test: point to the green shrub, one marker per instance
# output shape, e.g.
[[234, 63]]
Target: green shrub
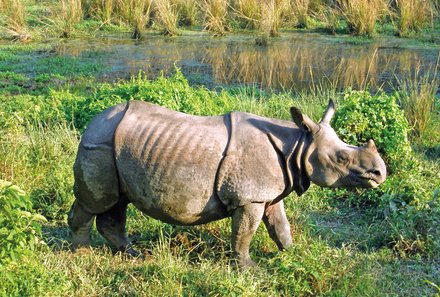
[[406, 208], [20, 229], [362, 116]]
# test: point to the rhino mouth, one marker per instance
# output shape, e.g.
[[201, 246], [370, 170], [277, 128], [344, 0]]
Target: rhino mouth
[[373, 183], [371, 179]]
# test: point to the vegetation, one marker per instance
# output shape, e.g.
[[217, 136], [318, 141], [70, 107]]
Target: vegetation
[[31, 19], [381, 242]]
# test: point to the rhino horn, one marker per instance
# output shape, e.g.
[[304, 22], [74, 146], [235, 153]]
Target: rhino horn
[[303, 121], [329, 112], [371, 146]]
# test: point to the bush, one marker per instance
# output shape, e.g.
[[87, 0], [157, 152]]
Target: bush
[[406, 207], [362, 116], [20, 229]]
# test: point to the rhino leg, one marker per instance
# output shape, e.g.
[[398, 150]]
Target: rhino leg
[[245, 221], [111, 225], [277, 225], [80, 222]]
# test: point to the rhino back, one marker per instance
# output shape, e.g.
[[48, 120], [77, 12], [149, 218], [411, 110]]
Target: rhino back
[[168, 161]]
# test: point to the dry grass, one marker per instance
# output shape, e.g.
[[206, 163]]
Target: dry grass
[[71, 13], [136, 13], [417, 98], [271, 14], [413, 15], [215, 14], [188, 11], [101, 9], [15, 26], [166, 17], [300, 10], [362, 15], [330, 17], [248, 12]]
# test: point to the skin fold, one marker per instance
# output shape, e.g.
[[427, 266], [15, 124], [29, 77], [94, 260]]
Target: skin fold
[[190, 170]]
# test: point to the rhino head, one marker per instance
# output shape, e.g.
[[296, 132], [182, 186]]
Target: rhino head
[[330, 162]]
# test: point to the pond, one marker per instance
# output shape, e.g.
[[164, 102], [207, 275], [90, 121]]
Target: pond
[[290, 62]]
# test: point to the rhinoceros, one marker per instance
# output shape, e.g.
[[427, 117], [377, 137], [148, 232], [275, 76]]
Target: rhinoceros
[[188, 170]]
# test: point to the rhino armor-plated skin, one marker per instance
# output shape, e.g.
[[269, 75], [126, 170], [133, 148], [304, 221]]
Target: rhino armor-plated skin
[[189, 170]]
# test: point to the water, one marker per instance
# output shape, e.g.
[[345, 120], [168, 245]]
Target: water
[[293, 61]]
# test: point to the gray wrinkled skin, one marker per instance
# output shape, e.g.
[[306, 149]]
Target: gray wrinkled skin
[[190, 170]]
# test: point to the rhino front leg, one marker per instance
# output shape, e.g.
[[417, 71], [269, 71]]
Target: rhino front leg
[[80, 222], [277, 225], [111, 225], [245, 221]]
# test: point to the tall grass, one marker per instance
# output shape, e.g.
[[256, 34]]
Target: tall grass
[[331, 18], [71, 13], [188, 12], [417, 98], [413, 15], [166, 16], [215, 14], [271, 14], [102, 10], [362, 15], [248, 12], [136, 13], [301, 11], [15, 20]]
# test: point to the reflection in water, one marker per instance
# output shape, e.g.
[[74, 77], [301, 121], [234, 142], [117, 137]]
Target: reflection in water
[[292, 62]]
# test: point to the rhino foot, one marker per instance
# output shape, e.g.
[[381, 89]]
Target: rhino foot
[[80, 222]]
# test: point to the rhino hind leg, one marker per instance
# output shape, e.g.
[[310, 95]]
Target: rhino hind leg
[[80, 222], [277, 225], [111, 225], [245, 221]]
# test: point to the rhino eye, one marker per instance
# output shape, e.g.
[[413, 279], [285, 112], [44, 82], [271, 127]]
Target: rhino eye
[[342, 158]]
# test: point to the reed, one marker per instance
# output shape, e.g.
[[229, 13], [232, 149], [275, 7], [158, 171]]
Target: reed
[[188, 12], [71, 13], [101, 10], [136, 13], [417, 98], [362, 15], [166, 17], [215, 13], [15, 26], [248, 12], [271, 15], [300, 10], [331, 18], [413, 15]]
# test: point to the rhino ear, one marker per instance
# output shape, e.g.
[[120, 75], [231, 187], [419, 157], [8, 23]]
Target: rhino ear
[[329, 112], [303, 121], [371, 146]]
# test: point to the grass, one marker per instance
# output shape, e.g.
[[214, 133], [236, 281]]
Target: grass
[[418, 98], [15, 25], [413, 15], [71, 14], [137, 14], [45, 19], [362, 15], [301, 11], [343, 243], [166, 17], [188, 12], [215, 13]]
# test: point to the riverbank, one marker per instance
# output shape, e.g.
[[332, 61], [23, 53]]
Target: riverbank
[[39, 20]]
